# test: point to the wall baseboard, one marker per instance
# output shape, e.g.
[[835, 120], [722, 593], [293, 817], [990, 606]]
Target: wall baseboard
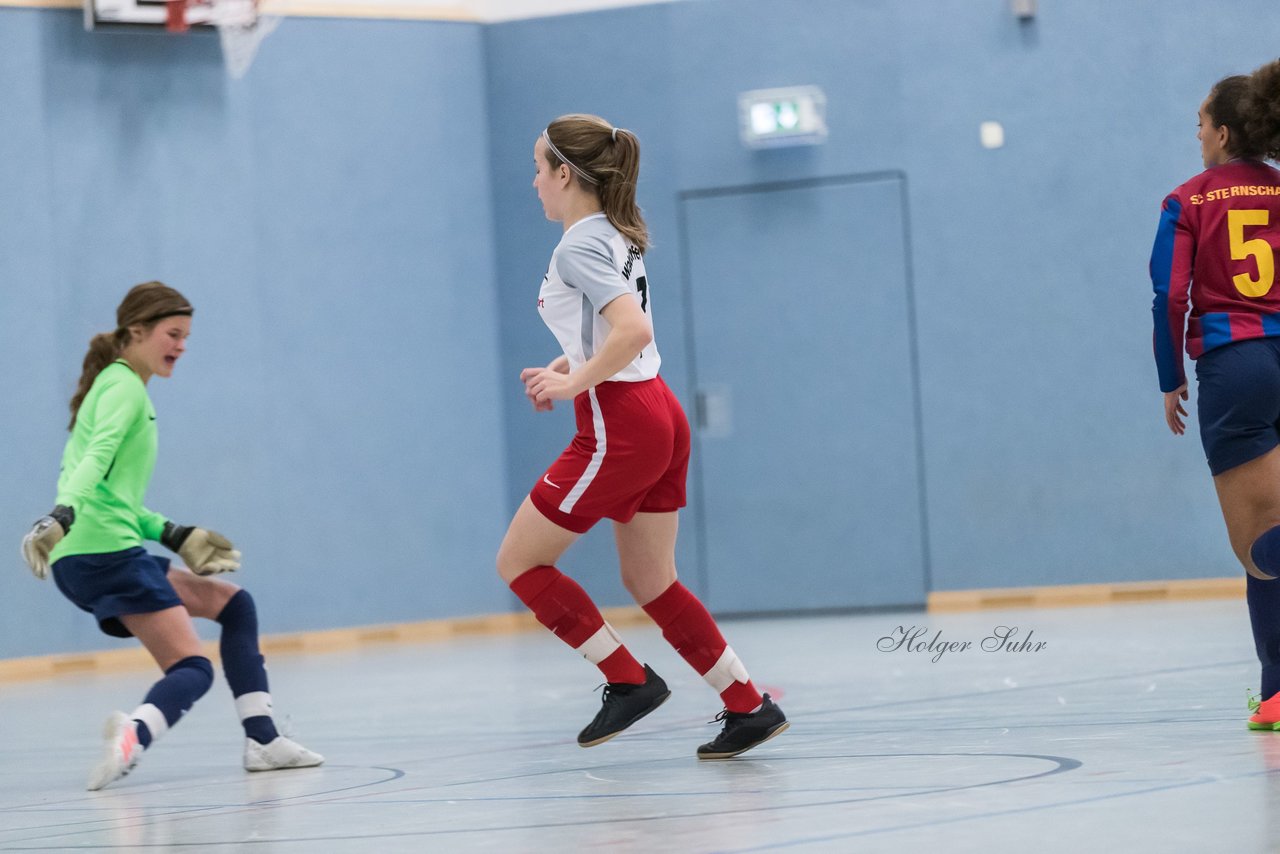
[[331, 640], [1072, 595], [336, 640]]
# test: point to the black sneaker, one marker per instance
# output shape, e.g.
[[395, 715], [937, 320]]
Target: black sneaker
[[744, 730], [624, 704]]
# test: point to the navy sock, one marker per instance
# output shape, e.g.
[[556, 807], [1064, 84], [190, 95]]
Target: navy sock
[[1264, 615], [245, 667], [172, 697], [1265, 551]]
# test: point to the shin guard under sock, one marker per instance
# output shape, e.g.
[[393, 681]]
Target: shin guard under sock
[[690, 628], [245, 667], [563, 606], [172, 697]]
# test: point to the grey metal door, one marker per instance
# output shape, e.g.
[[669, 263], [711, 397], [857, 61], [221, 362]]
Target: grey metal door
[[805, 413]]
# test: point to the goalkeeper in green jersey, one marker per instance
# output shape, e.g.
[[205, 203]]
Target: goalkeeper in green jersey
[[91, 543]]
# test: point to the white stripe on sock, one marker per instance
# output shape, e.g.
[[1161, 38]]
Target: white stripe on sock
[[601, 645], [726, 671], [151, 715], [254, 704]]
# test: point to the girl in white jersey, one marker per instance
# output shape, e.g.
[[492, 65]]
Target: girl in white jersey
[[630, 456]]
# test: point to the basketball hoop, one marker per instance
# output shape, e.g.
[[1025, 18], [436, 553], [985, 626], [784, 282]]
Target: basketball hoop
[[240, 28], [175, 16]]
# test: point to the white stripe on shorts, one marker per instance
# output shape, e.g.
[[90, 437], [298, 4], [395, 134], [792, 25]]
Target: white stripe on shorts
[[601, 645], [593, 467], [726, 671]]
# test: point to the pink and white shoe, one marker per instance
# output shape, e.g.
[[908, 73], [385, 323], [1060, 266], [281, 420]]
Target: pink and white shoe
[[121, 751]]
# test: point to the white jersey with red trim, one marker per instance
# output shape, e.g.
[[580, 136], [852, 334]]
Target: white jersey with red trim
[[591, 267]]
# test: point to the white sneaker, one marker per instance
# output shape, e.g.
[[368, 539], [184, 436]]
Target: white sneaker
[[121, 751], [280, 753]]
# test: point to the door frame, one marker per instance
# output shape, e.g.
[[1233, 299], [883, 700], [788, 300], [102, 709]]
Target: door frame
[[691, 354]]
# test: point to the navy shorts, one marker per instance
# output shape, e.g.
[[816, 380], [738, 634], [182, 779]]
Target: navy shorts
[[115, 583], [1239, 401]]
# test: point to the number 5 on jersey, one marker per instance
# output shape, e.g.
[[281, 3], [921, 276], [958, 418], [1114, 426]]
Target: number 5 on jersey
[[1237, 221]]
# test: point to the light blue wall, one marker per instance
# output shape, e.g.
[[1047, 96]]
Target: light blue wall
[[355, 224], [1045, 454], [337, 412]]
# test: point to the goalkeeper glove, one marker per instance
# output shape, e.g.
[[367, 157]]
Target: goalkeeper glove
[[43, 536], [204, 552]]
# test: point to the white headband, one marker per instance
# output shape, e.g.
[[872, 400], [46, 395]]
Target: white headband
[[546, 137]]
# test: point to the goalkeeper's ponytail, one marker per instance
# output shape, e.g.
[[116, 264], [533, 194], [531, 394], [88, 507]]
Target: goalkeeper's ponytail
[[144, 306]]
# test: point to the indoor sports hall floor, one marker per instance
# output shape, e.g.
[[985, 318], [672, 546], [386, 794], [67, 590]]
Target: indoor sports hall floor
[[1124, 732]]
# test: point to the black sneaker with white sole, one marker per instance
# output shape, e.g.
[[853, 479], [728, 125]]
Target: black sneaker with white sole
[[744, 730], [623, 705]]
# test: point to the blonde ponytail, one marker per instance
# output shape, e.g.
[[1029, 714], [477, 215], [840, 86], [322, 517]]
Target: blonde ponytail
[[606, 161]]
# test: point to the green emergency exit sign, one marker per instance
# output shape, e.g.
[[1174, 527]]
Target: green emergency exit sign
[[770, 118]]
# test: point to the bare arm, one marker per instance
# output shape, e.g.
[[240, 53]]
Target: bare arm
[[559, 365], [629, 333]]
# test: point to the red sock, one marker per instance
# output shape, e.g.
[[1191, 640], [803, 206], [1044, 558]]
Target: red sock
[[565, 608], [689, 627]]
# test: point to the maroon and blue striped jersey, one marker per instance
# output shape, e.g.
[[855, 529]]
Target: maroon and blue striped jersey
[[1215, 253]]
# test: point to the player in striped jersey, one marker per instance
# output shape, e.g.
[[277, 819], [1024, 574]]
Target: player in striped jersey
[[1215, 253], [93, 540], [630, 456]]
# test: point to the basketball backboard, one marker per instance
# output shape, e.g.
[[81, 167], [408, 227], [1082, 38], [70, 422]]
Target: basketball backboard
[[142, 15]]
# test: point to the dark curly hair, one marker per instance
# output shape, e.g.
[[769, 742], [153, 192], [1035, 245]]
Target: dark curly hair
[[1249, 106], [1261, 108]]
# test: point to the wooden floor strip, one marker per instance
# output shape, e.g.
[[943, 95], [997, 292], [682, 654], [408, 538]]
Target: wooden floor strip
[[1075, 595], [304, 643], [336, 640]]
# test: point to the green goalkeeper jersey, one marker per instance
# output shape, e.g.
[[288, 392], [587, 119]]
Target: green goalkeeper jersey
[[107, 465]]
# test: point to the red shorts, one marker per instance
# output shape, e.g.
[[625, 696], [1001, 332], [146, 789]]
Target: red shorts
[[630, 456]]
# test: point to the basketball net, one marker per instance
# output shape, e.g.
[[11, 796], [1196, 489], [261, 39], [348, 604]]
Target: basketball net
[[240, 28]]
